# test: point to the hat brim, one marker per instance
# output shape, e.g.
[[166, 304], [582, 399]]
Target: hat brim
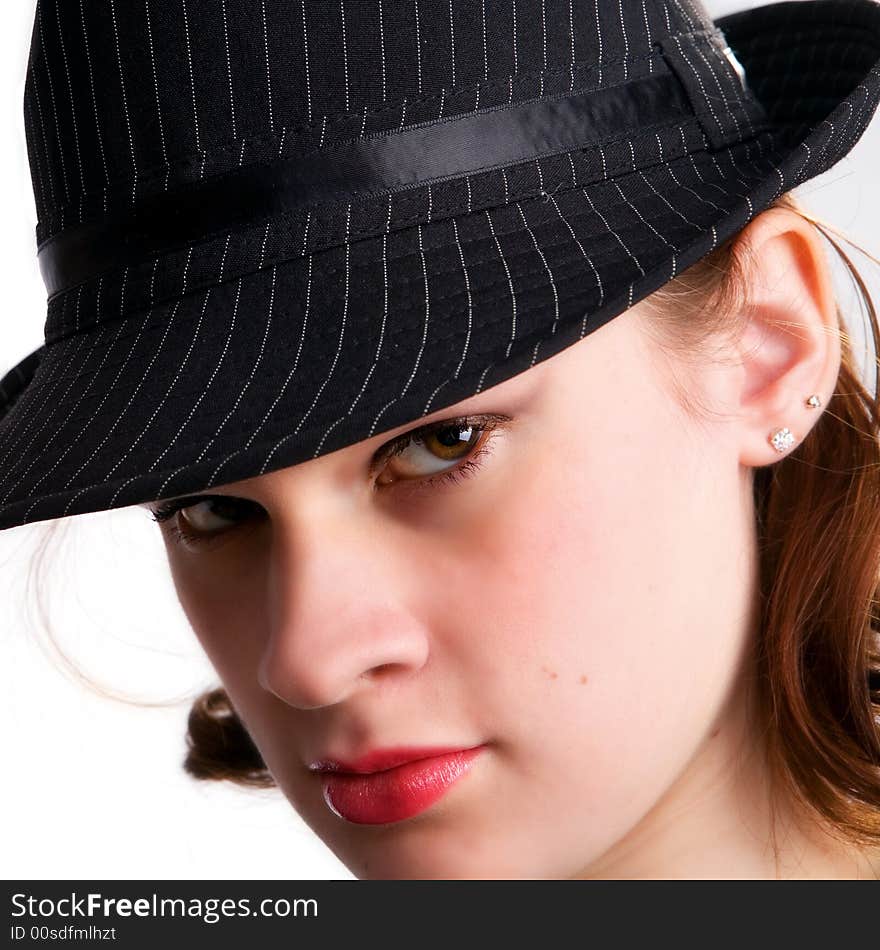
[[246, 377]]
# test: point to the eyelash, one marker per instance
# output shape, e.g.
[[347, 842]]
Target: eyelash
[[486, 425]]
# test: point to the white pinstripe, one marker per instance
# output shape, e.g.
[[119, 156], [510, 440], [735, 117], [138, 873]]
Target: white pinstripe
[[344, 54], [604, 165], [515, 56], [125, 106], [599, 35], [544, 35], [42, 131], [306, 232], [268, 73], [549, 274], [364, 121], [483, 376], [228, 68], [402, 114], [509, 282], [625, 39], [418, 47], [650, 40], [323, 131], [42, 179], [122, 292], [586, 258], [685, 13], [424, 337], [382, 50], [72, 105], [738, 174], [452, 40], [55, 113], [699, 79], [725, 99], [619, 239], [54, 109], [306, 60], [156, 88], [263, 251], [442, 100], [369, 375], [571, 34], [485, 51], [335, 356], [192, 81], [467, 284]]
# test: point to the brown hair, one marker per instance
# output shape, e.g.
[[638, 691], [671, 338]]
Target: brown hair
[[816, 663]]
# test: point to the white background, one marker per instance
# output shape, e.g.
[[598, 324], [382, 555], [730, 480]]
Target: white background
[[92, 787]]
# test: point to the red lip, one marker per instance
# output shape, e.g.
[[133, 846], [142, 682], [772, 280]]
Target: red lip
[[380, 759], [390, 785]]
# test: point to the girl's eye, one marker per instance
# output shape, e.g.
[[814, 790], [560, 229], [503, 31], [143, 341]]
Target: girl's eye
[[429, 455], [445, 451]]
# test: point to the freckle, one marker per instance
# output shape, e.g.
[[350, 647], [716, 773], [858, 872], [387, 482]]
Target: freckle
[[553, 676], [715, 733], [583, 679]]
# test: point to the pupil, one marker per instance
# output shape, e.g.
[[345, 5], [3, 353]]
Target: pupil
[[451, 435]]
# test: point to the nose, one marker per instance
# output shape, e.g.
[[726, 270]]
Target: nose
[[339, 621]]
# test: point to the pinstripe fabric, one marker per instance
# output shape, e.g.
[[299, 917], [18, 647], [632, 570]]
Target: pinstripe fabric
[[267, 345]]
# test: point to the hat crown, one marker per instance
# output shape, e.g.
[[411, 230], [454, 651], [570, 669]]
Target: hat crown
[[129, 98]]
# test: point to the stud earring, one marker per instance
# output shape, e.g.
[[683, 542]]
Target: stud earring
[[782, 439], [814, 402]]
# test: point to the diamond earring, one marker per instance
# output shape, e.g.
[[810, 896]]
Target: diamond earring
[[814, 401], [782, 439]]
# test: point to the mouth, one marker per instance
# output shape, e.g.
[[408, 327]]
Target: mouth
[[391, 785]]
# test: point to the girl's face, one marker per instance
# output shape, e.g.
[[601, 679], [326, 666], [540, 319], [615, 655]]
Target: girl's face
[[577, 605]]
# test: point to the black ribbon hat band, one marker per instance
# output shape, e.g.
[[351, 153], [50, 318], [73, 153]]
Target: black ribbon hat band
[[384, 162]]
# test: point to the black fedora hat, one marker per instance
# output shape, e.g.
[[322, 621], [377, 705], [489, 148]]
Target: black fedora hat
[[271, 230]]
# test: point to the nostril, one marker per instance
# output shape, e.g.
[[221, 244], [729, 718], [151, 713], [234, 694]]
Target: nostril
[[377, 672]]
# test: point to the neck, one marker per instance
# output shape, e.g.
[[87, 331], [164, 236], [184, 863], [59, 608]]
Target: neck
[[721, 819]]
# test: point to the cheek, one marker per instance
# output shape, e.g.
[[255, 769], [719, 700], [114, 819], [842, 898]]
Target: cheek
[[225, 608], [600, 581]]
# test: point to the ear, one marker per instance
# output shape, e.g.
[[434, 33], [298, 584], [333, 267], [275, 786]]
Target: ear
[[791, 347]]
